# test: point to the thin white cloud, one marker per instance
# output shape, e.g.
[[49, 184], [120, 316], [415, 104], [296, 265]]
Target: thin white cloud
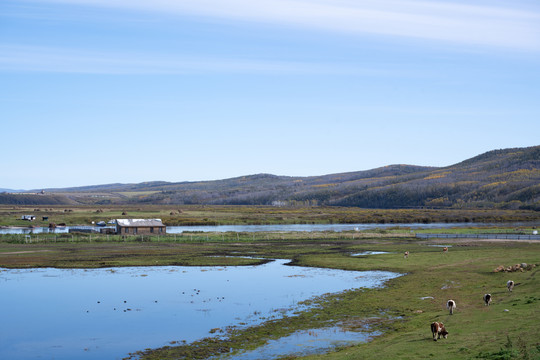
[[14, 58], [448, 21]]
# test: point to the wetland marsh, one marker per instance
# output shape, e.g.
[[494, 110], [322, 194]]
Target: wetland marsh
[[397, 315], [107, 313]]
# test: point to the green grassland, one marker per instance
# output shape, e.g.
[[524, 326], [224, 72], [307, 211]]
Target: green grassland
[[463, 274]]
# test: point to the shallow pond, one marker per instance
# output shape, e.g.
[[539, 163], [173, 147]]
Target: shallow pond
[[365, 253], [108, 313], [304, 342]]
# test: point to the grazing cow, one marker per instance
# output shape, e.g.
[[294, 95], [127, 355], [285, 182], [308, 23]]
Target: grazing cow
[[445, 250], [510, 285], [437, 329], [487, 299], [451, 305], [406, 255]]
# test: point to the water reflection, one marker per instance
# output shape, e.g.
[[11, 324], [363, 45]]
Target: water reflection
[[365, 253], [323, 227], [262, 228], [107, 313], [305, 342]]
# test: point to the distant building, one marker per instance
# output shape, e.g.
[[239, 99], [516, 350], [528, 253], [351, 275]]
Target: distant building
[[140, 227]]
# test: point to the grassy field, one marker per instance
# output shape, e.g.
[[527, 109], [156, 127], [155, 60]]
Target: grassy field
[[221, 215], [403, 309], [464, 275]]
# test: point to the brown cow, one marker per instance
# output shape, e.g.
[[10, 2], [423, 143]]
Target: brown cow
[[451, 305], [487, 299], [437, 329], [510, 285], [406, 255], [445, 250]]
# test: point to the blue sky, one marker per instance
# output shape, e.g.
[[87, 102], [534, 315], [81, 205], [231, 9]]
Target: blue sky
[[106, 91]]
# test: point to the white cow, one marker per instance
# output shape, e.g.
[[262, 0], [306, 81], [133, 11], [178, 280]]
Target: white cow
[[451, 305], [510, 285]]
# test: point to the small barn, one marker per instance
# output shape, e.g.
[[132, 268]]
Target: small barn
[[140, 227]]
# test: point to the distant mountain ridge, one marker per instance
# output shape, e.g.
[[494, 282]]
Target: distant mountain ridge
[[9, 190], [507, 178]]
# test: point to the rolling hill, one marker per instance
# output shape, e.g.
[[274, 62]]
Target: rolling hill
[[508, 178]]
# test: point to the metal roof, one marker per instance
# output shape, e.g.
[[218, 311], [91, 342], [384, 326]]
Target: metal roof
[[139, 222]]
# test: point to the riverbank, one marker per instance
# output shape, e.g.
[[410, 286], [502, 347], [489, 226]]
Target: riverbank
[[402, 310], [106, 313]]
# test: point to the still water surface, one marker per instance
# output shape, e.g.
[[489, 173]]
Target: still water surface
[[304, 342], [107, 313], [276, 227]]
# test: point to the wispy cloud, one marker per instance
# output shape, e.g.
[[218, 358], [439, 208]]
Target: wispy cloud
[[433, 20], [14, 58]]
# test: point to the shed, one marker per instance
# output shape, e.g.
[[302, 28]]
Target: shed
[[140, 227]]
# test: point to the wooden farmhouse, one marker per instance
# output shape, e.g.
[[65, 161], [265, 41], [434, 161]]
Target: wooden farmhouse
[[140, 227]]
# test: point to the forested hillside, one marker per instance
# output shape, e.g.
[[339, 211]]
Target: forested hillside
[[508, 179]]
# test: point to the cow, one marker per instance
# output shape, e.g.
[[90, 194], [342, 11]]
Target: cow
[[487, 299], [445, 250], [451, 305], [437, 329], [510, 285], [406, 255]]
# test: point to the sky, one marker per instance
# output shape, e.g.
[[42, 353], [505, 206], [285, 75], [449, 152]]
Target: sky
[[126, 91]]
